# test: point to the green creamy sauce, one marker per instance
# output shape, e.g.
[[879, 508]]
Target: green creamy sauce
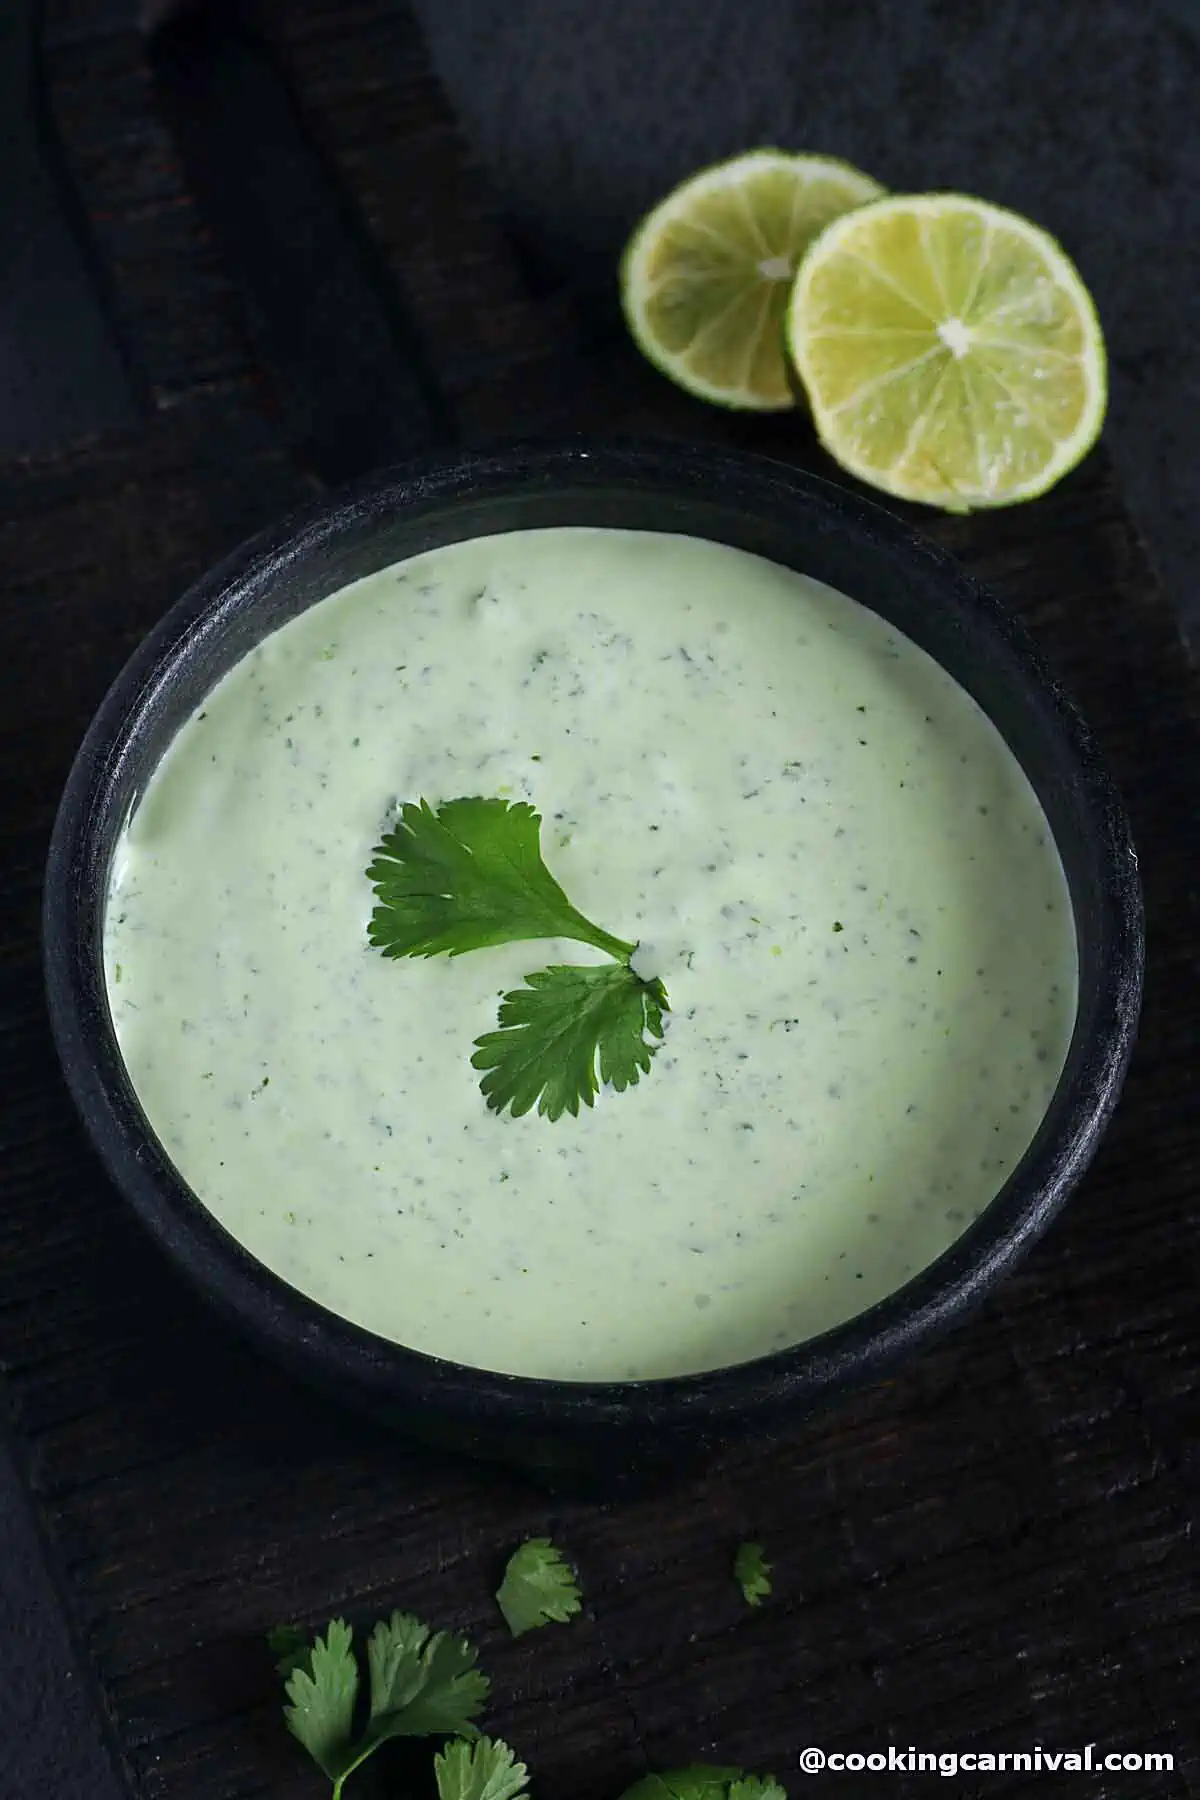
[[826, 850]]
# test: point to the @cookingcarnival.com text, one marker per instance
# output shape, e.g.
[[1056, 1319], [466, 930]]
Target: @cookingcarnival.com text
[[899, 1759]]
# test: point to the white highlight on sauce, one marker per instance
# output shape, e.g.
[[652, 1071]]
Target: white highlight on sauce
[[826, 850]]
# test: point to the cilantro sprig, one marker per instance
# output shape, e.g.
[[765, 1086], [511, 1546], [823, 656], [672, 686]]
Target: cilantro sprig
[[420, 1684], [469, 875], [539, 1588], [426, 1684]]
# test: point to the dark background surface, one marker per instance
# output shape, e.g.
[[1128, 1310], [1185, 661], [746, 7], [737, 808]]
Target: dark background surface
[[581, 115], [1084, 117]]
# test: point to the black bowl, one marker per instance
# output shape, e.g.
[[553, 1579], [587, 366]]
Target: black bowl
[[758, 506]]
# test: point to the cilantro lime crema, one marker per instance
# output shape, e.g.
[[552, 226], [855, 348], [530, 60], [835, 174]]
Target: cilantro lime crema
[[822, 848]]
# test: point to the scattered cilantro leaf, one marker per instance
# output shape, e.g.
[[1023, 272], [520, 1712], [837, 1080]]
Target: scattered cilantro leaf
[[565, 1034], [483, 1770], [321, 1702], [752, 1572], [422, 1683], [702, 1781], [539, 1588], [757, 1787], [290, 1648], [470, 875]]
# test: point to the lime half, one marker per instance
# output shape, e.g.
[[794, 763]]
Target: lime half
[[705, 277], [950, 352]]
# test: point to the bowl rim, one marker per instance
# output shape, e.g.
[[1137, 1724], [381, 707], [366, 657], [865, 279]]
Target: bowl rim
[[381, 1372]]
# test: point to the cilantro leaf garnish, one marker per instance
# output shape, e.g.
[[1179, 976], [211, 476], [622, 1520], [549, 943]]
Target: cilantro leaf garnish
[[469, 875], [483, 1770], [539, 1588], [702, 1781], [558, 1027], [422, 1684], [752, 1572], [757, 1787], [322, 1697], [705, 1781]]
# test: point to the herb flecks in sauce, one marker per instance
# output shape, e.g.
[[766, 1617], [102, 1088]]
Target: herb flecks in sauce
[[469, 875]]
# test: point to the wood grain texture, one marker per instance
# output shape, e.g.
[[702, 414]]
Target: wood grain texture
[[992, 1550]]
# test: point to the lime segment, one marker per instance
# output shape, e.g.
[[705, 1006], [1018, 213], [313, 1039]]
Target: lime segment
[[705, 277], [949, 349]]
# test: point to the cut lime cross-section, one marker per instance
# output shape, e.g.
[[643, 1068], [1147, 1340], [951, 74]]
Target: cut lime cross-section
[[950, 352], [705, 277]]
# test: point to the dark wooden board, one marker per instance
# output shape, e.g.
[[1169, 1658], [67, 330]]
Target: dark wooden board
[[991, 1551]]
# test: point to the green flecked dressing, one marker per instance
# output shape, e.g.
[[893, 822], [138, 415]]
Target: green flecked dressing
[[826, 850]]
